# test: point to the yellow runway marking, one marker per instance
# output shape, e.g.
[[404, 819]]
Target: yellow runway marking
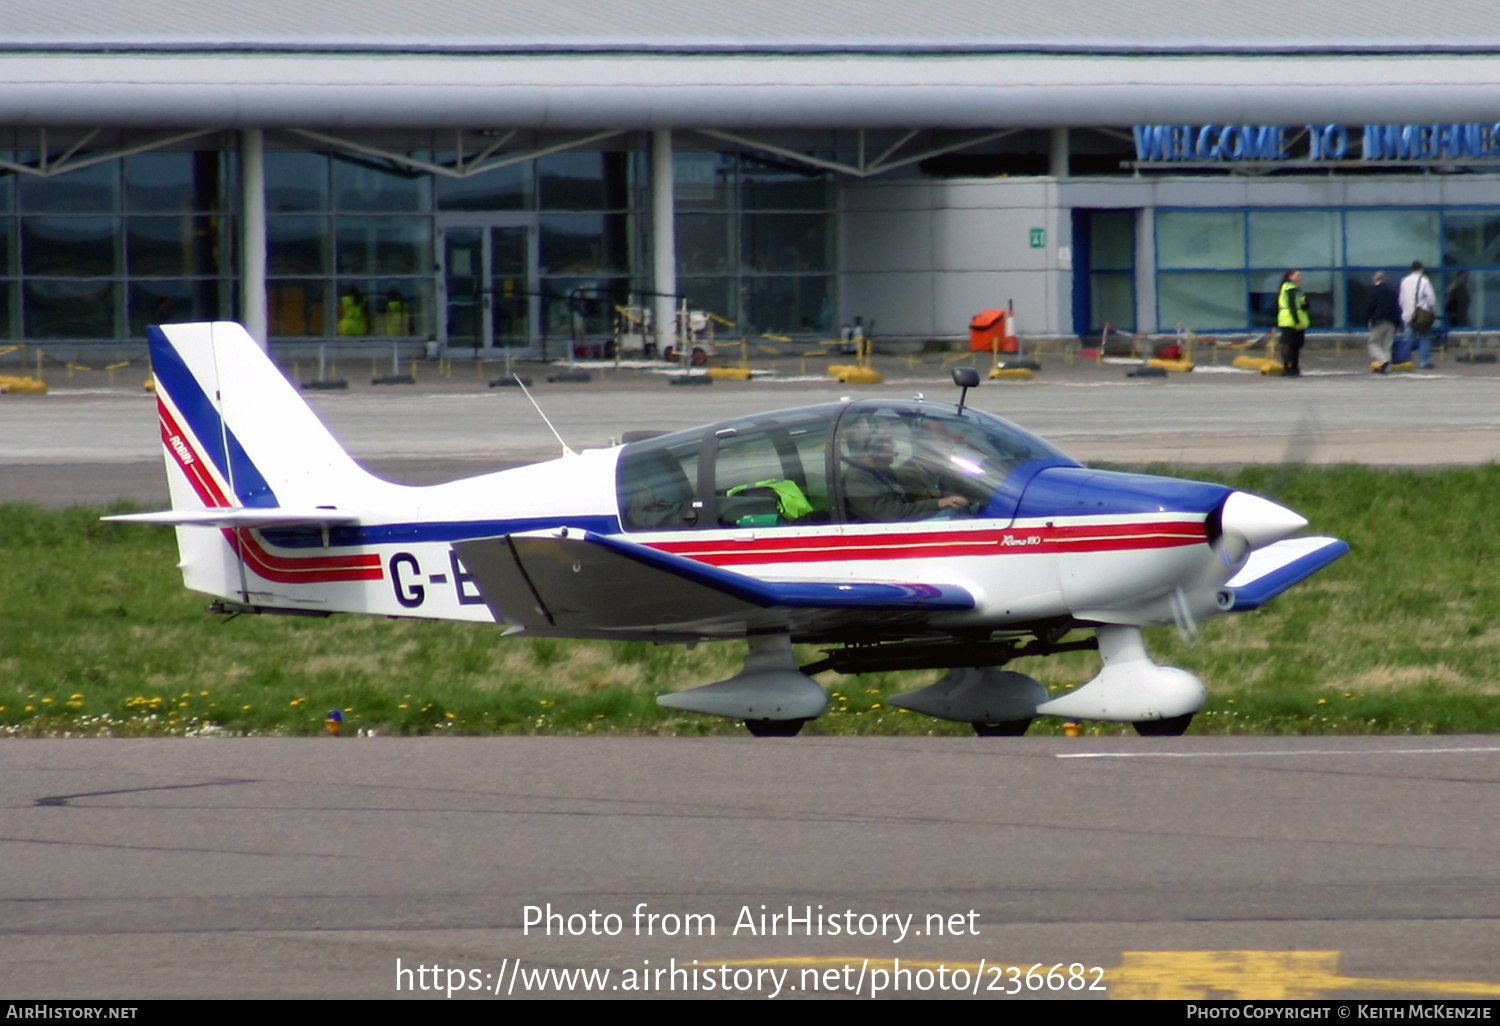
[[1185, 975]]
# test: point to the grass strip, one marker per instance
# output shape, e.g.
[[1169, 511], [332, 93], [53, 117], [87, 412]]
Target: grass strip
[[98, 637]]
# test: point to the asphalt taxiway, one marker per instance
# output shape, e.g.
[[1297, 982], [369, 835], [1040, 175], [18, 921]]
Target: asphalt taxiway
[[85, 442], [1251, 867]]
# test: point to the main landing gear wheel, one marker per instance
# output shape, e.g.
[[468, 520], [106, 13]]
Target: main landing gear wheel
[[1172, 726], [774, 728], [1008, 728]]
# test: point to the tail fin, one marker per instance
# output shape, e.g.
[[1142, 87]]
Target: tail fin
[[244, 451], [238, 429]]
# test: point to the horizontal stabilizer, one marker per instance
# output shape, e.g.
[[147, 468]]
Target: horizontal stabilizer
[[240, 516], [1273, 569], [573, 580]]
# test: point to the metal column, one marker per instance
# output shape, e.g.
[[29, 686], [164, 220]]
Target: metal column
[[253, 233], [1057, 153], [1145, 272], [663, 239]]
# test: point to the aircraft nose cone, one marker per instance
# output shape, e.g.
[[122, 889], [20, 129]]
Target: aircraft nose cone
[[1258, 521]]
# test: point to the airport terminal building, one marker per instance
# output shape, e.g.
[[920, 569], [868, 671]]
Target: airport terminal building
[[508, 175]]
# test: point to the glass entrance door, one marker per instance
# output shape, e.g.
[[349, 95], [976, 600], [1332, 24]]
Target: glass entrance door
[[489, 285]]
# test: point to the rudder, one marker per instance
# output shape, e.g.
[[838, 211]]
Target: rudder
[[224, 400]]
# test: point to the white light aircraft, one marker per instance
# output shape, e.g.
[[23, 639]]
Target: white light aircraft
[[901, 534]]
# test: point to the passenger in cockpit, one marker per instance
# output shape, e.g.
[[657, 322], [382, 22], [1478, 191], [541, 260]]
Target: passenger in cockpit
[[875, 492]]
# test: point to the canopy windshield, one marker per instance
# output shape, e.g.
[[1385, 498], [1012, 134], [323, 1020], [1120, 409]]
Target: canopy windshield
[[865, 462], [918, 461]]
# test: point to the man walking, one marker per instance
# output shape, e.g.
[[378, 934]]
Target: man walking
[[1292, 321], [1381, 313], [1418, 311]]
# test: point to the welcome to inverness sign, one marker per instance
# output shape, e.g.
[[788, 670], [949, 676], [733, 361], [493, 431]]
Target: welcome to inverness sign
[[1168, 144]]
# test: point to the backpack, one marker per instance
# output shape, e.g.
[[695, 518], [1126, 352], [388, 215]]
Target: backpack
[[1422, 317]]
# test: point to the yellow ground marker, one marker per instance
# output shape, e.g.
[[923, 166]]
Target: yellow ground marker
[[854, 374], [1265, 365], [1185, 975], [1260, 975], [17, 385]]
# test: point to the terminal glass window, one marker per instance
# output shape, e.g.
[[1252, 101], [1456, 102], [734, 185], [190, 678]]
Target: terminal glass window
[[756, 242], [349, 246], [99, 252], [1222, 270], [1200, 239], [1295, 238], [1392, 238]]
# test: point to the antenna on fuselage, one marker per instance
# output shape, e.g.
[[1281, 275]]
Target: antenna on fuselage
[[537, 406], [965, 378]]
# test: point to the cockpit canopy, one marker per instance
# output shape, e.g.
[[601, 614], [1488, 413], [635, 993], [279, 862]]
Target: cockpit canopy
[[872, 461]]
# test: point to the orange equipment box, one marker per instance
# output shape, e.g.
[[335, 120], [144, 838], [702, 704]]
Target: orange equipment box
[[989, 327]]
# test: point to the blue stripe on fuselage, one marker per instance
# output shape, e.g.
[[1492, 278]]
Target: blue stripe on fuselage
[[442, 531], [198, 410]]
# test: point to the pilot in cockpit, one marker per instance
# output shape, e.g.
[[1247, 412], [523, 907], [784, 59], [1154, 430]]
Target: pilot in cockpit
[[877, 492]]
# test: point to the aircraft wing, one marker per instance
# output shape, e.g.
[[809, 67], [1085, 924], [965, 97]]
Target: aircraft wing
[[576, 582], [1273, 569], [240, 516]]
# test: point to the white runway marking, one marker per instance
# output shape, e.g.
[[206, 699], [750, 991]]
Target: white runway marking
[[1247, 755]]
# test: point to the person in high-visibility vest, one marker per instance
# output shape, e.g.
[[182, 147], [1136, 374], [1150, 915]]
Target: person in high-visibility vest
[[1291, 322], [397, 314], [354, 313]]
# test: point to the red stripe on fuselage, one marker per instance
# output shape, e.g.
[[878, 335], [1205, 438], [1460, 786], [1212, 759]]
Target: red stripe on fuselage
[[283, 570], [832, 548]]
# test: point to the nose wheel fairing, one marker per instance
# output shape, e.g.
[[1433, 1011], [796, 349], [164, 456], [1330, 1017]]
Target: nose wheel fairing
[[1130, 687]]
